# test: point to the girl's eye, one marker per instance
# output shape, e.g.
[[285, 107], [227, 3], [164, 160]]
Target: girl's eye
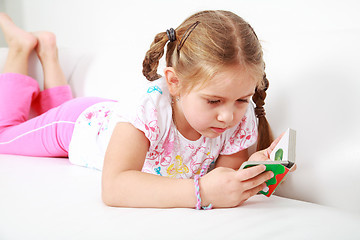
[[242, 100], [213, 101]]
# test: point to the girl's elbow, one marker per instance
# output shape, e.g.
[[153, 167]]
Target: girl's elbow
[[114, 195], [108, 196], [107, 200]]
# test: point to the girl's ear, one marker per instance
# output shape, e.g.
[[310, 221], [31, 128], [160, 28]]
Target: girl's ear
[[172, 81]]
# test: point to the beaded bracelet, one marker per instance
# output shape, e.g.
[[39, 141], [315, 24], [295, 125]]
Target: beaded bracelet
[[197, 192]]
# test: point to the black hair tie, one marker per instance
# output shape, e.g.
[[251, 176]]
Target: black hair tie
[[171, 34]]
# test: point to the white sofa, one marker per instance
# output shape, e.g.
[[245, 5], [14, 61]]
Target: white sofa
[[314, 86], [43, 198]]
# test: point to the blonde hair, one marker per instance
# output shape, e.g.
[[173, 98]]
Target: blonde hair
[[220, 39]]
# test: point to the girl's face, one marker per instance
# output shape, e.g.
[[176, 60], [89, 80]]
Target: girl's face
[[218, 106]]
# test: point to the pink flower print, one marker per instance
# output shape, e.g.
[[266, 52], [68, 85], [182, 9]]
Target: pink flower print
[[152, 130], [158, 154], [244, 119], [89, 115], [238, 140], [197, 166], [165, 161], [153, 153], [168, 147], [242, 134], [241, 138], [169, 144], [150, 127], [195, 151]]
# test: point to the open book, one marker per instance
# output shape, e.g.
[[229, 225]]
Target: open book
[[282, 160]]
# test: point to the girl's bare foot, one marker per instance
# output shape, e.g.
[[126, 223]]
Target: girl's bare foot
[[46, 48], [47, 52], [20, 44], [16, 38]]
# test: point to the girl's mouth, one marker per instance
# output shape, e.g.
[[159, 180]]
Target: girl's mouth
[[218, 130]]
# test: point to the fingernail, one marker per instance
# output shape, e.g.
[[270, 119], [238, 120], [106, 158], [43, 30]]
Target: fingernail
[[263, 167], [271, 174], [265, 189]]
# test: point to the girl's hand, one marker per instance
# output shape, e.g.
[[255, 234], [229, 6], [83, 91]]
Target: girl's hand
[[225, 187], [264, 155]]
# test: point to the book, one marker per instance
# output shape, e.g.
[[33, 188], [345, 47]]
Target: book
[[282, 160]]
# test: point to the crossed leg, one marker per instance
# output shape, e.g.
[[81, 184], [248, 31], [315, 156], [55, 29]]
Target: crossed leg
[[56, 90], [18, 91], [47, 52], [48, 134], [22, 43]]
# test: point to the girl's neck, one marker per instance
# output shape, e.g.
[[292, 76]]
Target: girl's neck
[[182, 124]]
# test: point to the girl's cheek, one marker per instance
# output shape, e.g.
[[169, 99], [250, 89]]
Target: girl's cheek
[[240, 115]]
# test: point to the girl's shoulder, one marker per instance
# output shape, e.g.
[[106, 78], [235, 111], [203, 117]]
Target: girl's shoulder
[[154, 99], [150, 111], [158, 91]]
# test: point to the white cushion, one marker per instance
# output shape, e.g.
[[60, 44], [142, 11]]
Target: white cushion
[[48, 198]]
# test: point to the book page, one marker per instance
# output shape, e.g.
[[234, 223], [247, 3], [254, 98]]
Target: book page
[[285, 149]]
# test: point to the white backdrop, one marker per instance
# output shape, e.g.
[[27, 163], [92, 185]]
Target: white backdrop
[[311, 51]]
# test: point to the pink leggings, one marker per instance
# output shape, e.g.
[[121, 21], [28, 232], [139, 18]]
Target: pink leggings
[[47, 135]]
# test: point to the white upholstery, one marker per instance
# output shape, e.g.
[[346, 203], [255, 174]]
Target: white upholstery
[[43, 198], [311, 56]]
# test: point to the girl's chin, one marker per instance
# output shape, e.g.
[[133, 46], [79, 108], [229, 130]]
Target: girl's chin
[[211, 134]]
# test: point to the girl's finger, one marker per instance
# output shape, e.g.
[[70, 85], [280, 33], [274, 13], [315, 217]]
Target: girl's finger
[[251, 172], [273, 144], [254, 191], [258, 180], [251, 192]]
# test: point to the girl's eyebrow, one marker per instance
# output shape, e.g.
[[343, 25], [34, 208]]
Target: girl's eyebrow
[[215, 96], [249, 95]]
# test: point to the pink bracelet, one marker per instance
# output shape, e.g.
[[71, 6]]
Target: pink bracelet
[[197, 188], [197, 192]]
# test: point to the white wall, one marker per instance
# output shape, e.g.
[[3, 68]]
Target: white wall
[[2, 9], [312, 56]]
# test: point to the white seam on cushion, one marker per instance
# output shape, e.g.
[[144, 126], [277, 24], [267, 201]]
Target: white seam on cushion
[[34, 130]]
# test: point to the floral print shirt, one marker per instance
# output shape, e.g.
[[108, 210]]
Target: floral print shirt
[[170, 154]]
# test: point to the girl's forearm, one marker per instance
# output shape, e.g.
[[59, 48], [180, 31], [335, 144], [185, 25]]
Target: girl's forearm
[[137, 189]]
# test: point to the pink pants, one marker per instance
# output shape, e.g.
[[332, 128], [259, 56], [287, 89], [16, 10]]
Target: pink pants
[[47, 135]]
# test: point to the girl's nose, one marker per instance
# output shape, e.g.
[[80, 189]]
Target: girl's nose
[[226, 115]]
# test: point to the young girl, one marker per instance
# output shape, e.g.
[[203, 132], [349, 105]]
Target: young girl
[[157, 151]]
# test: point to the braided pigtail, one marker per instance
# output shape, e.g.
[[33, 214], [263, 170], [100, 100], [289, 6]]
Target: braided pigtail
[[153, 56], [265, 135]]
